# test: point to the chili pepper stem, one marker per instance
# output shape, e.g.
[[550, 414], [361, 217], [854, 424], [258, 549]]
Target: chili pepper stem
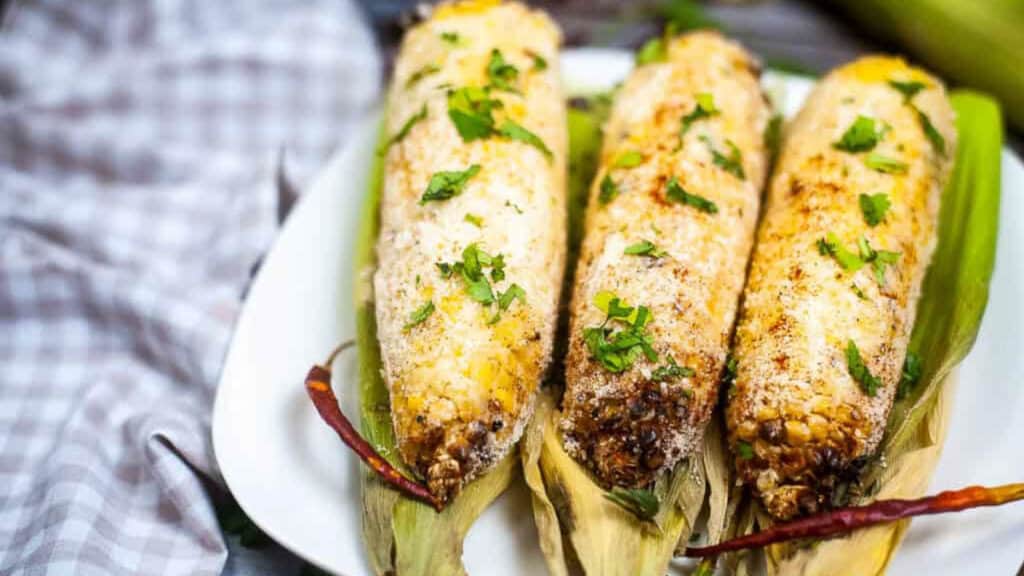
[[843, 520], [318, 386]]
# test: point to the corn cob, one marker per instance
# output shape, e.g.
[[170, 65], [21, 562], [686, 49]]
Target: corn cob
[[835, 278], [668, 234], [471, 248]]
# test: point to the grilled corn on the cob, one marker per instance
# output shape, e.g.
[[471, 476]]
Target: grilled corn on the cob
[[835, 278], [471, 249], [668, 234]]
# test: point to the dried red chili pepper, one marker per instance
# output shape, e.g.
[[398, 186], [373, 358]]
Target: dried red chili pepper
[[844, 520], [318, 386]]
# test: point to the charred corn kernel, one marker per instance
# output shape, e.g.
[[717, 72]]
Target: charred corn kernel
[[462, 380], [874, 127], [679, 250]]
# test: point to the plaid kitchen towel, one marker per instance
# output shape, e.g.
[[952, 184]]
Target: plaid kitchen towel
[[138, 140]]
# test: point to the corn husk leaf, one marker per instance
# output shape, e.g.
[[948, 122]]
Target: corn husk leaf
[[949, 315], [404, 536], [988, 51]]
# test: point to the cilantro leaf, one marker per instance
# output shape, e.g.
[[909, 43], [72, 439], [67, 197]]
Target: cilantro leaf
[[513, 131], [641, 503], [451, 38], [874, 207], [744, 450], [832, 246], [539, 63], [474, 220], [885, 164], [733, 163], [861, 136], [619, 350], [405, 129], [422, 73], [447, 184], [704, 108], [609, 190], [644, 248], [859, 371], [514, 292], [471, 111], [671, 371], [501, 74], [934, 136], [675, 192], [420, 315], [909, 89]]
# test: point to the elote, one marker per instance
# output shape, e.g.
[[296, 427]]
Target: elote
[[669, 230], [835, 278], [472, 242]]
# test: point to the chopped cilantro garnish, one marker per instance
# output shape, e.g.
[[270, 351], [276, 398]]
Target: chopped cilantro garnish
[[675, 192], [744, 450], [420, 315], [644, 248], [703, 108], [854, 261], [859, 371], [671, 371], [514, 292], [618, 350], [874, 207], [474, 220], [908, 89], [501, 74], [471, 111], [405, 129], [860, 293], [539, 63], [421, 74], [733, 163], [513, 206], [910, 375], [832, 246], [641, 503], [478, 287], [628, 159], [513, 131], [861, 136], [451, 38], [878, 259], [885, 164], [654, 50], [934, 136], [609, 190], [447, 184]]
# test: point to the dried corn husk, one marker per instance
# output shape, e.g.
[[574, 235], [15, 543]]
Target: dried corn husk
[[949, 315], [403, 536]]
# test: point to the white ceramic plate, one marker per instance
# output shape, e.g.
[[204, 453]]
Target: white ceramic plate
[[293, 477]]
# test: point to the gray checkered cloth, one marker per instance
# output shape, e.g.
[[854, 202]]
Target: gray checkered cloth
[[138, 143]]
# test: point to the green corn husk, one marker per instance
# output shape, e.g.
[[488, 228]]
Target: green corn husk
[[404, 536], [578, 527], [979, 43], [949, 315]]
